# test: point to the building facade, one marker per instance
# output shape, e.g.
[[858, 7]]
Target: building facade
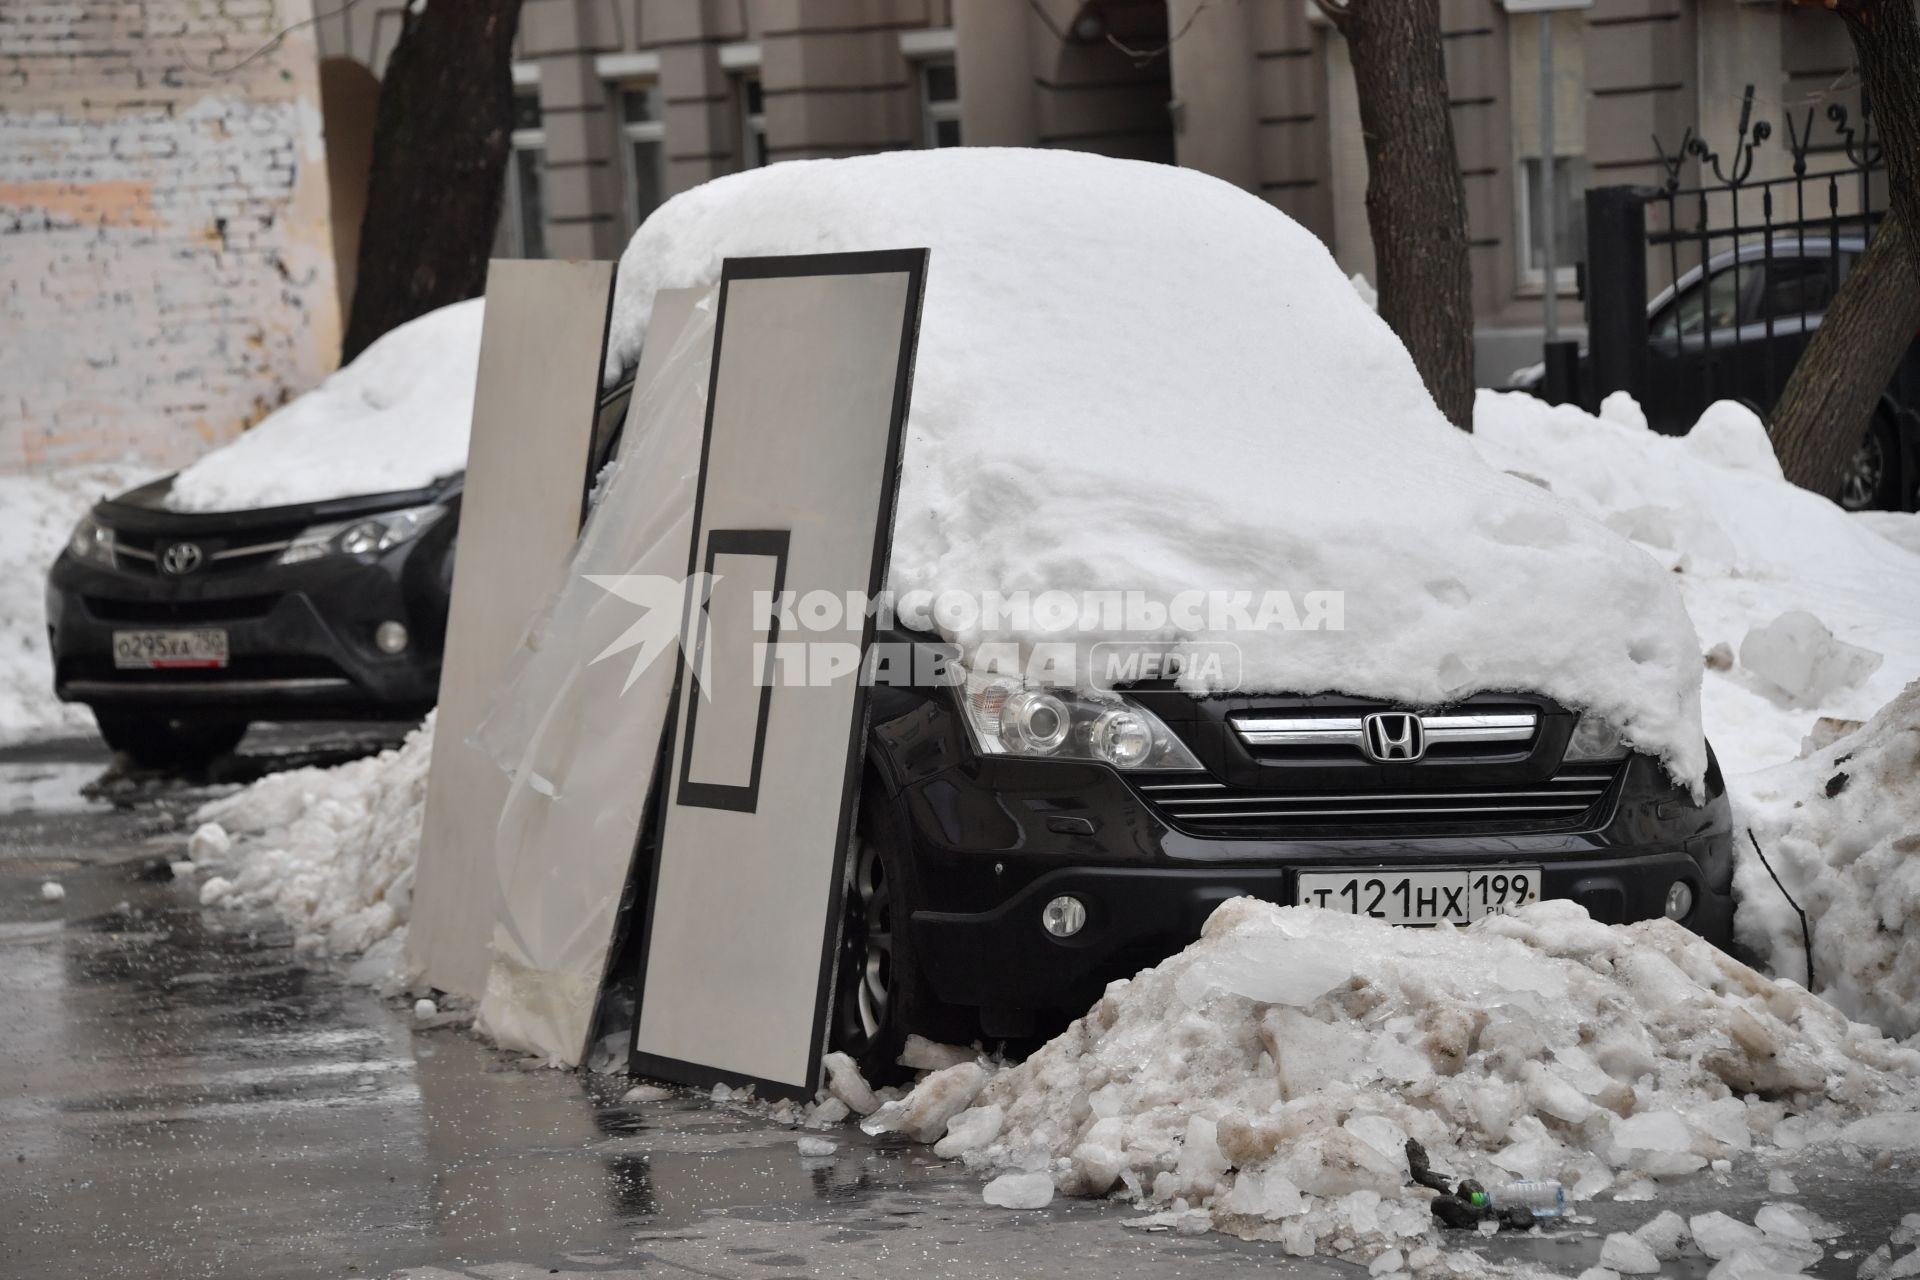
[[625, 102], [163, 226]]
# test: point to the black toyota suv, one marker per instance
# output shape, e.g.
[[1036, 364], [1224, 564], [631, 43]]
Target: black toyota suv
[[1020, 848], [179, 629]]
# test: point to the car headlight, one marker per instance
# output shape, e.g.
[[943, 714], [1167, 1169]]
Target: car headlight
[[1595, 739], [368, 536], [1007, 718], [91, 542]]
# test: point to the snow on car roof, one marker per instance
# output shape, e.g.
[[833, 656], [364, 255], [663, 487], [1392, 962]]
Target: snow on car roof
[[1138, 378], [396, 418]]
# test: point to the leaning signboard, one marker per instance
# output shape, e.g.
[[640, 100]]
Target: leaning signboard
[[812, 366]]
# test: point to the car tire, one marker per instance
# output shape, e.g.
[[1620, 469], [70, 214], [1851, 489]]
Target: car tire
[[881, 993], [161, 741], [1872, 479]]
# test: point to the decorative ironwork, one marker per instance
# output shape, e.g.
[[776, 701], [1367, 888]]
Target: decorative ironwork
[[1750, 260]]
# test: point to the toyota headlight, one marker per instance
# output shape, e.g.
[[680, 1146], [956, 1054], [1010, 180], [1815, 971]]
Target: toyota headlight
[[1008, 718], [91, 542], [1594, 740], [368, 536]]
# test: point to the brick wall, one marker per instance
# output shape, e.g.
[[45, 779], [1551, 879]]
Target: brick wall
[[166, 274]]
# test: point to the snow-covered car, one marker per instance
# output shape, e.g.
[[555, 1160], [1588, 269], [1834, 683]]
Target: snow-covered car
[[302, 572], [1138, 381]]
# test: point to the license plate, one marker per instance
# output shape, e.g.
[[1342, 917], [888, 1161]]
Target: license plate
[[1458, 896], [170, 650]]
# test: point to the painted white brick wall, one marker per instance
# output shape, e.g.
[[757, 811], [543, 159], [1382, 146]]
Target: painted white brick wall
[[166, 271]]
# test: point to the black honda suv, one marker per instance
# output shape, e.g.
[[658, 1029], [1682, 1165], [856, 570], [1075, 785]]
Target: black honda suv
[[1021, 848], [179, 629]]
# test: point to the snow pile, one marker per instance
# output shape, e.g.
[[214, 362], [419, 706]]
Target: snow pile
[[332, 850], [1138, 378], [37, 515], [396, 418], [1271, 1074], [1821, 607], [1842, 830]]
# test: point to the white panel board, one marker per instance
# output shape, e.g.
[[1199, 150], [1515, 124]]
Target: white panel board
[[541, 349], [812, 366], [575, 722]]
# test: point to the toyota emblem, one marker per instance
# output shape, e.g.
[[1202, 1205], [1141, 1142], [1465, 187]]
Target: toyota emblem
[[181, 558]]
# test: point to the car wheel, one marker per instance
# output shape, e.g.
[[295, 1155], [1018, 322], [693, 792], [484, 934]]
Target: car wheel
[[881, 994], [1873, 476], [158, 740]]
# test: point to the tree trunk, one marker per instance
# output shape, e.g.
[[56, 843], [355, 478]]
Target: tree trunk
[[1416, 201], [440, 143], [1829, 400]]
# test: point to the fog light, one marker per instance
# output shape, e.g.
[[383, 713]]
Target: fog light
[[390, 636], [1064, 916], [1121, 738], [1679, 900]]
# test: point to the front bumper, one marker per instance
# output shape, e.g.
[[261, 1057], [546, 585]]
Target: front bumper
[[992, 841], [300, 637], [1137, 916]]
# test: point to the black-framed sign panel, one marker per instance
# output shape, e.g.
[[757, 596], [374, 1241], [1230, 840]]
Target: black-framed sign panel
[[799, 473]]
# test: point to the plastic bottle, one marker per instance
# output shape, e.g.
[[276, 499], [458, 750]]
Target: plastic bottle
[[1544, 1198]]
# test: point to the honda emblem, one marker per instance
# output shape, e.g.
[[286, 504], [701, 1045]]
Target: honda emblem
[[1394, 735]]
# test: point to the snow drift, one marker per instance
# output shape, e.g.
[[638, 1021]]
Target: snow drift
[[1139, 378], [37, 514], [396, 418], [332, 850], [1270, 1075], [1842, 830], [1745, 548]]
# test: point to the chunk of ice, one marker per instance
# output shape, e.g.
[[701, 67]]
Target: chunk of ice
[[1628, 1255], [1801, 661], [1263, 1193], [1019, 1191], [1267, 968], [845, 1082], [971, 1130], [1666, 1235], [1720, 1236]]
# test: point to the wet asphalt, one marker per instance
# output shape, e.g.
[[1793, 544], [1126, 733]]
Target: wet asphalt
[[182, 1095]]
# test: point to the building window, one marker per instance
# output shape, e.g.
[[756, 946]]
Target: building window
[[643, 133], [939, 103], [1569, 219], [525, 209], [753, 122]]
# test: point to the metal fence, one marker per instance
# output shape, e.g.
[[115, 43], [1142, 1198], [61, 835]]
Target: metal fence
[[1747, 263]]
